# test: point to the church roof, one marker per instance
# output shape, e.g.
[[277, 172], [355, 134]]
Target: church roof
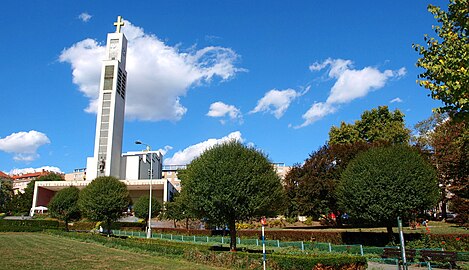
[[4, 175]]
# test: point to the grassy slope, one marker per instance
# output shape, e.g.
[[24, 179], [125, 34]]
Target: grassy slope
[[41, 251]]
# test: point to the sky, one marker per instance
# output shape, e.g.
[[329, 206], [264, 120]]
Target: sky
[[276, 75]]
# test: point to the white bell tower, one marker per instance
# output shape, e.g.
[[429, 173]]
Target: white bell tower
[[110, 119]]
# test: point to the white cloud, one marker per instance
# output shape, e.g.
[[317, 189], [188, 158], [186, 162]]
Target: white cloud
[[220, 109], [85, 17], [32, 170], [185, 156], [398, 100], [165, 149], [158, 74], [24, 144], [316, 112], [276, 101], [353, 84], [350, 84]]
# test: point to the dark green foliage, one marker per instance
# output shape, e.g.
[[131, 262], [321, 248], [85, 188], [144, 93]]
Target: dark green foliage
[[231, 182], [445, 57], [311, 187], [177, 210], [50, 177], [64, 205], [6, 195], [449, 242], [141, 207], [386, 182], [27, 225], [374, 126], [104, 199]]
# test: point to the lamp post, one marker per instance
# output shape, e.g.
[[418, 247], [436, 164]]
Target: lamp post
[[151, 180]]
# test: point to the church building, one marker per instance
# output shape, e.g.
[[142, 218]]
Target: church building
[[138, 170]]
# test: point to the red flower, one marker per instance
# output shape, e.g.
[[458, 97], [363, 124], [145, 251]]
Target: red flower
[[443, 242], [458, 238]]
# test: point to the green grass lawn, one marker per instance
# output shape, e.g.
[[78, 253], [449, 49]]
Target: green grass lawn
[[42, 251]]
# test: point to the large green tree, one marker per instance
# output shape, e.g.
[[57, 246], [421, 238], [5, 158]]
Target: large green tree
[[445, 58], [6, 194], [379, 124], [386, 182], [232, 182], [64, 205], [141, 207], [104, 199], [311, 187]]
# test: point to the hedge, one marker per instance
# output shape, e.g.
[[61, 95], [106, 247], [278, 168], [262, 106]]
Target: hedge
[[203, 254], [90, 225], [28, 225]]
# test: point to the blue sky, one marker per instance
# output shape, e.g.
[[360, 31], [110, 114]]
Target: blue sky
[[275, 74]]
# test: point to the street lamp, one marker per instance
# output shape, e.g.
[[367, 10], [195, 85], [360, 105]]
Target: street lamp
[[151, 180]]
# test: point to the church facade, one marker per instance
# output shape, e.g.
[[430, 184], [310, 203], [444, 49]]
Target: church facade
[[138, 170]]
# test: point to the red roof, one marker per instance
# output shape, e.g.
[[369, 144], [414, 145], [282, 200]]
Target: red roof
[[31, 176], [4, 175]]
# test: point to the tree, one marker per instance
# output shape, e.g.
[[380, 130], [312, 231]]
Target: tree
[[6, 194], [447, 142], [104, 199], [376, 125], [64, 205], [141, 207], [386, 182], [177, 210], [311, 187], [445, 58], [450, 142], [232, 182]]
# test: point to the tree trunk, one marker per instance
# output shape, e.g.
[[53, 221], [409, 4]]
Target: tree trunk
[[108, 225], [187, 223], [66, 225], [390, 233], [232, 227]]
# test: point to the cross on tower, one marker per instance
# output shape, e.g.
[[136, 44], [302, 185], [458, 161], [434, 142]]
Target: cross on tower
[[118, 24]]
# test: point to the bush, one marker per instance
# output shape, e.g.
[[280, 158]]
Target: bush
[[203, 254], [450, 242], [27, 225], [291, 220]]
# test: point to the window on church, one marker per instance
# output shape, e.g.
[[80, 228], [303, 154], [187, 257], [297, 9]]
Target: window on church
[[108, 77]]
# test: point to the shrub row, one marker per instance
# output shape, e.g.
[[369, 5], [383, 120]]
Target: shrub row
[[240, 260], [88, 226], [29, 225], [450, 242], [337, 238]]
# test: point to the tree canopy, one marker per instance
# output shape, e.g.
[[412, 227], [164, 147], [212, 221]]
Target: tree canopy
[[376, 125], [232, 182], [6, 194], [445, 58], [104, 199], [450, 142], [64, 205], [311, 187], [141, 207], [386, 182]]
